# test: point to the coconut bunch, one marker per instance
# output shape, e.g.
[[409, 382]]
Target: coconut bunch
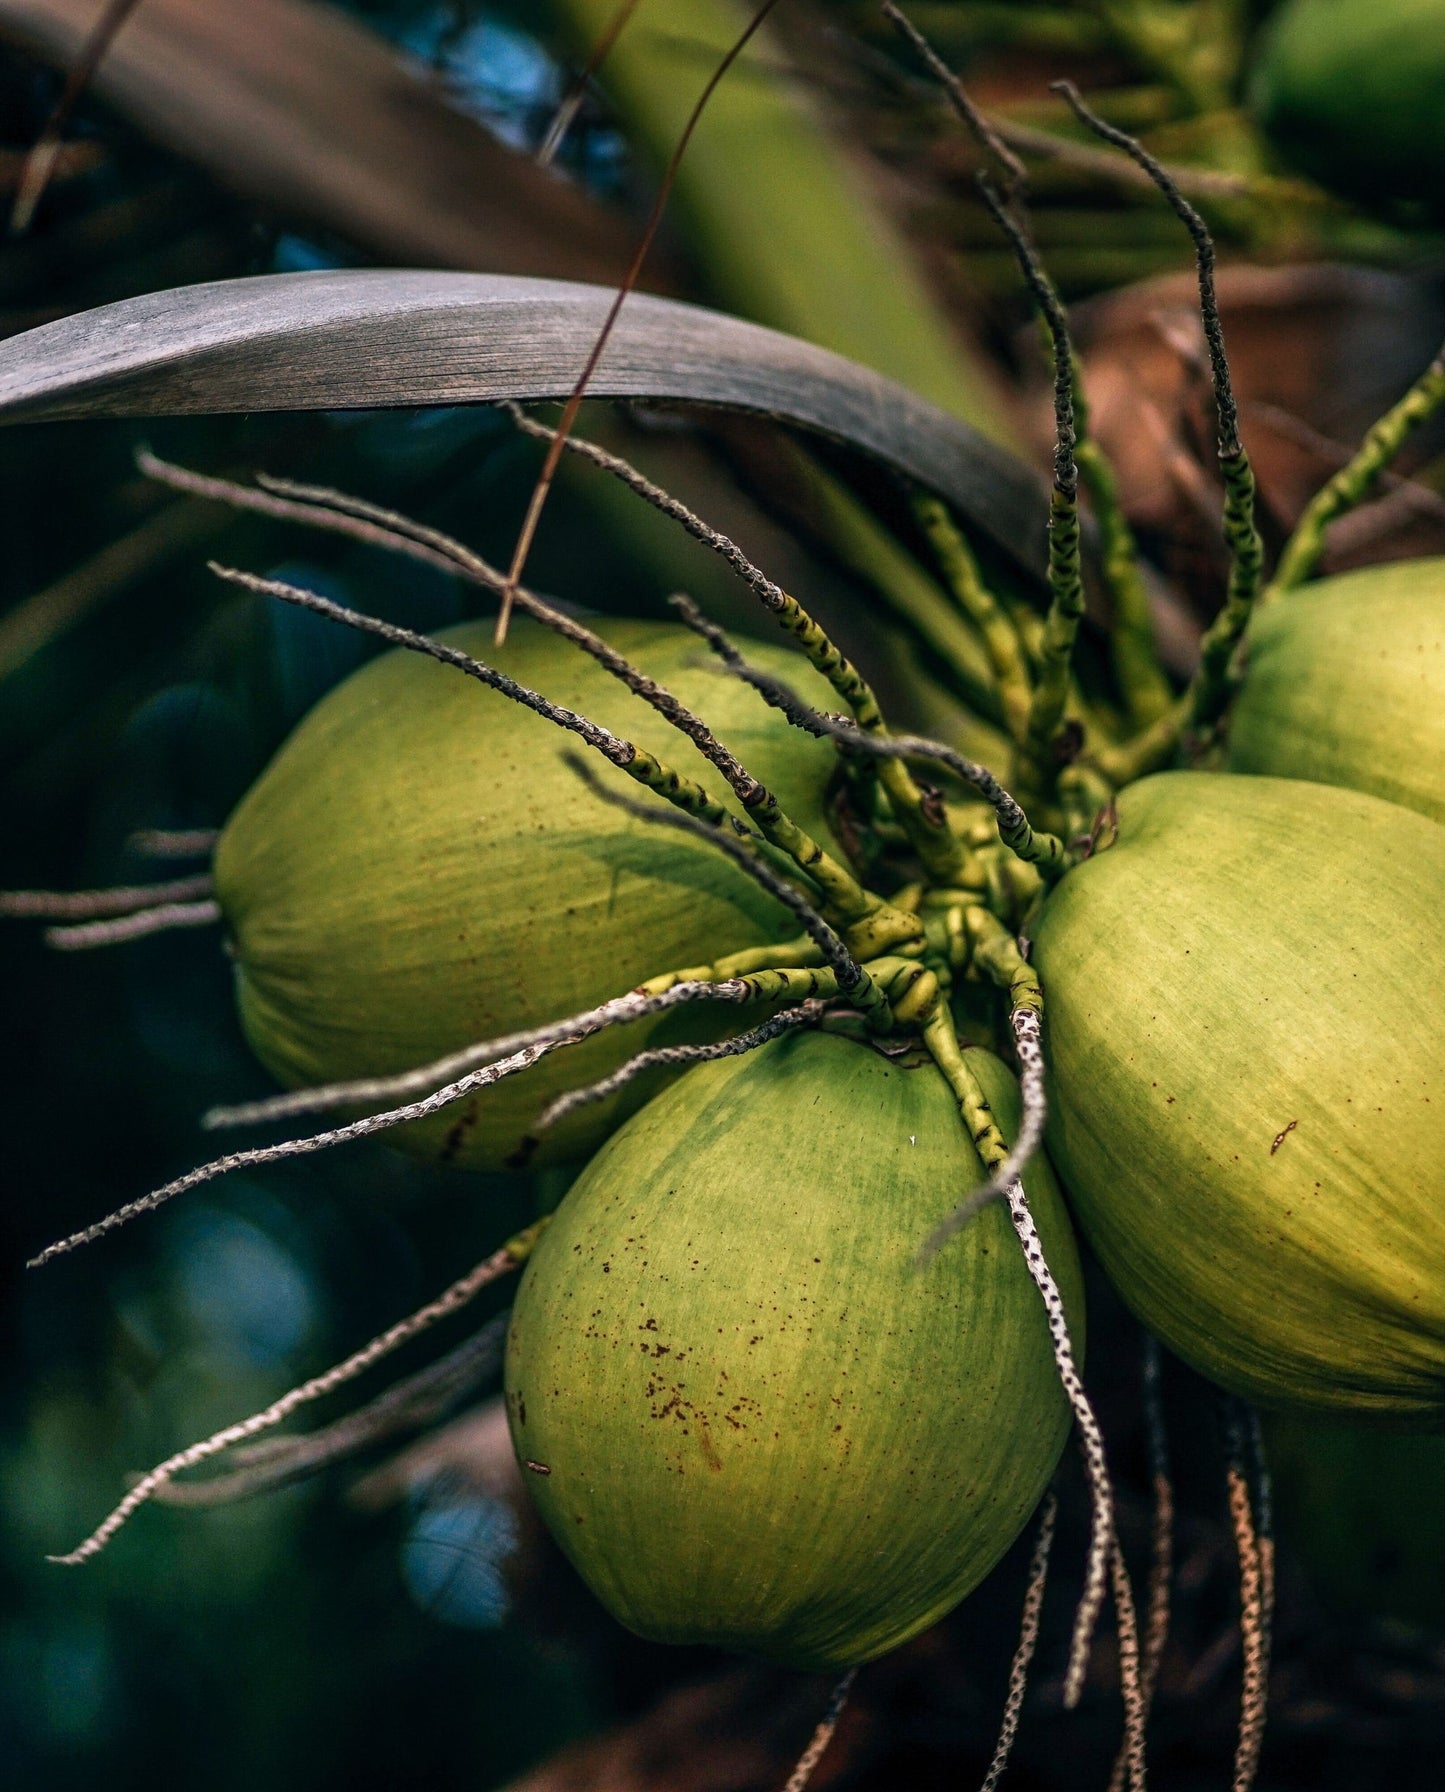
[[847, 1031]]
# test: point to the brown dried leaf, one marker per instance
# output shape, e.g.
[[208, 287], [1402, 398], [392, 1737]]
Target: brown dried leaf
[[1317, 353]]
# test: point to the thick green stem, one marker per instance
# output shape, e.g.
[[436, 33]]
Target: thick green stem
[[942, 1042], [797, 953], [682, 792], [1141, 679], [1354, 483], [794, 984], [844, 900], [789, 977], [1038, 763], [1209, 689], [1001, 639], [996, 953]]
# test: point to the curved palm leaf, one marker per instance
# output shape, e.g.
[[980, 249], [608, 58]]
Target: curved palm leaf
[[378, 338]]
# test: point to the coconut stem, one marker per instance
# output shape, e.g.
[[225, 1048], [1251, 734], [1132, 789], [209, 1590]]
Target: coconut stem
[[637, 1004], [1161, 1555], [1355, 482], [1018, 1673], [109, 917], [1046, 853], [371, 523], [502, 1262], [843, 896], [990, 946], [165, 917], [1209, 690], [792, 954], [407, 1405], [85, 905], [821, 652], [635, 761], [1161, 1565], [667, 1057], [564, 1033], [823, 1735], [1039, 762], [1130, 1675], [854, 981], [988, 137], [924, 822], [1036, 720], [941, 1038], [1255, 1603], [1091, 1439], [961, 576]]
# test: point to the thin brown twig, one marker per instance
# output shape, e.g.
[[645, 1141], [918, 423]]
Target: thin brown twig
[[1254, 1604], [629, 280], [40, 163], [96, 905], [1161, 1558], [407, 1405], [1130, 1673], [1018, 1674], [571, 103], [501, 1262], [982, 128]]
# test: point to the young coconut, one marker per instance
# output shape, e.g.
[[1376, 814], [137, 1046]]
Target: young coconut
[[1345, 684], [750, 1417], [417, 869], [1344, 680], [1245, 1091], [1250, 890]]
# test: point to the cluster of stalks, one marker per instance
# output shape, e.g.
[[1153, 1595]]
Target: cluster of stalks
[[958, 883]]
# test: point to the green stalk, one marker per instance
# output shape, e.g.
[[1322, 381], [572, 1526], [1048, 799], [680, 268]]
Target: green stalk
[[1353, 484], [941, 1039], [1141, 679], [1000, 637], [867, 549]]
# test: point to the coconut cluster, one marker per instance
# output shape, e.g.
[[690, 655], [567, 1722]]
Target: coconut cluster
[[842, 1056]]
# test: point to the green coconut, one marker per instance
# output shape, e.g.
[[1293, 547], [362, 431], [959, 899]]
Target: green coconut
[[1247, 1076], [1345, 684], [418, 869], [1351, 92], [751, 1419]]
